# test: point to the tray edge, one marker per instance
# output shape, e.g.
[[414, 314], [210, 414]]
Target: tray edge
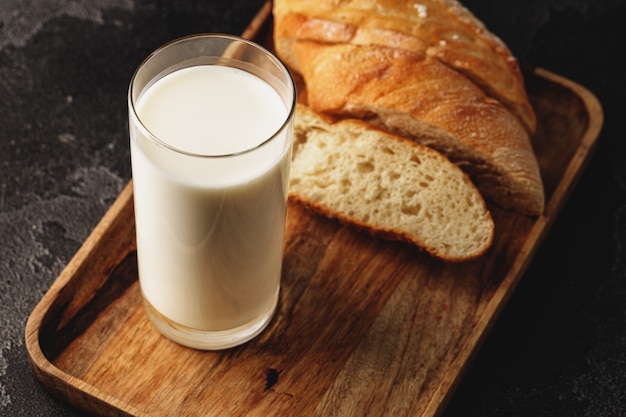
[[538, 232], [60, 383]]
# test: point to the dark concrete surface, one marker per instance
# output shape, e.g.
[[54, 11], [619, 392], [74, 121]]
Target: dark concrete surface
[[559, 347]]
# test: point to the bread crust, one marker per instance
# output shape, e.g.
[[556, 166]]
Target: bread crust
[[442, 29], [415, 96]]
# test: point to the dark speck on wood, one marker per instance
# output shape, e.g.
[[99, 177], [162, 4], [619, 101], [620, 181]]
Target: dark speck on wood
[[271, 378]]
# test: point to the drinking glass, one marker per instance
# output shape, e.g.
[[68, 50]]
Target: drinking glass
[[211, 132]]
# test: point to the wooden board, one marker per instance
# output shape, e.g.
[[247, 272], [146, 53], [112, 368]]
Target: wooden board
[[364, 327]]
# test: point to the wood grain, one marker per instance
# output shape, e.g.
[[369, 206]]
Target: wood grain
[[364, 327]]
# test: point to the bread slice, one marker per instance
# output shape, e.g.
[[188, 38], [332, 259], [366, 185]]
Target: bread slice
[[442, 29], [389, 186], [417, 97]]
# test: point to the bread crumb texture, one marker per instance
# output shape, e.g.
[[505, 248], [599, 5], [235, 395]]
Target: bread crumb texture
[[388, 185]]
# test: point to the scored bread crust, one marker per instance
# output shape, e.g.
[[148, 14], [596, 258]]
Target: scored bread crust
[[415, 96], [429, 71], [388, 186], [442, 29]]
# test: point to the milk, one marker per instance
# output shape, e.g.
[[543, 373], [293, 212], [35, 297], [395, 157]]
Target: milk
[[210, 229]]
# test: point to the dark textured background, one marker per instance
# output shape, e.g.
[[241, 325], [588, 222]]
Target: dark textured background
[[559, 348]]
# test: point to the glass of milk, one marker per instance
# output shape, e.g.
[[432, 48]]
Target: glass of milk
[[211, 130]]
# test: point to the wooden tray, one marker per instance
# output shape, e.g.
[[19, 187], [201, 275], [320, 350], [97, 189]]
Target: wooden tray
[[364, 326]]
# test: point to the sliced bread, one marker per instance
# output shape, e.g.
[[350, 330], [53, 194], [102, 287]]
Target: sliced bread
[[389, 186], [428, 71], [417, 97]]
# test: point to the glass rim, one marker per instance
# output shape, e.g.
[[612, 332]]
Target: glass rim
[[233, 38]]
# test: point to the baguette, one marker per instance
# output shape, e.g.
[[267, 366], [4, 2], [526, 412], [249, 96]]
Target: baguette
[[388, 186]]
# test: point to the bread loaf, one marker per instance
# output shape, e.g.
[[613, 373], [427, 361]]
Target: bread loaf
[[442, 29], [418, 97], [388, 186], [430, 72]]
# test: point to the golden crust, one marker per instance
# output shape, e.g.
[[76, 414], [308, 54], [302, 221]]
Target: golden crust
[[443, 29], [416, 96]]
